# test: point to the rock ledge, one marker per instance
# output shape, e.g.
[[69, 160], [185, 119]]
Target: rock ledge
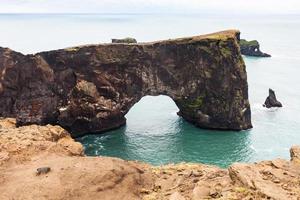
[[74, 176]]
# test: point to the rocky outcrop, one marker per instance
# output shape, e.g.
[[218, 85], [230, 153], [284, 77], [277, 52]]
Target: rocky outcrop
[[90, 88], [26, 149], [124, 40], [295, 153], [69, 174], [271, 100], [20, 144], [252, 48]]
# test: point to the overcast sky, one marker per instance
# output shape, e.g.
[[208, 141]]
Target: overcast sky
[[150, 6]]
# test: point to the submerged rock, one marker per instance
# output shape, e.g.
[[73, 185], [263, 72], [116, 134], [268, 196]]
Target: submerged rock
[[251, 48], [124, 40], [89, 89], [271, 100]]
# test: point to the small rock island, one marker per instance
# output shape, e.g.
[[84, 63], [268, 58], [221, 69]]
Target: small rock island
[[271, 100], [252, 48]]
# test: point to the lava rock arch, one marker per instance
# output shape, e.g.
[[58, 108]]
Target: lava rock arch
[[89, 89]]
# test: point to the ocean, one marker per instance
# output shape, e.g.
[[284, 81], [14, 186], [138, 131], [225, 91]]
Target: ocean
[[154, 133]]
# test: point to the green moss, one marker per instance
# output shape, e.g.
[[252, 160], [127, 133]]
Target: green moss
[[225, 52], [197, 103], [72, 49], [218, 37], [248, 43], [224, 48], [192, 104]]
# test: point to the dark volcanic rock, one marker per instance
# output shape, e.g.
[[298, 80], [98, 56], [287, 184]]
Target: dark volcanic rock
[[271, 100], [124, 40], [90, 88], [251, 48]]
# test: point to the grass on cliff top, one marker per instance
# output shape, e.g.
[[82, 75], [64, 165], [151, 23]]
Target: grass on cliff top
[[222, 35], [248, 43], [70, 49], [218, 37]]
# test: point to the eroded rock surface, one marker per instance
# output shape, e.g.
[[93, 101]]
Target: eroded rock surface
[[72, 176], [20, 144], [75, 176], [90, 88]]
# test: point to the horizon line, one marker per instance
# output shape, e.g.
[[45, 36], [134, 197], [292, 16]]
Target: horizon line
[[139, 13]]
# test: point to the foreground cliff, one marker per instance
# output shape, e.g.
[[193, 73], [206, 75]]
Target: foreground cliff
[[91, 88], [74, 176]]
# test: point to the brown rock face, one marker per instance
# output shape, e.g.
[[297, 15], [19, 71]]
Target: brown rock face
[[90, 88]]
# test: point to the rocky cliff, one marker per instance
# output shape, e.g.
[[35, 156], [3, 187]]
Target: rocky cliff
[[90, 88], [74, 176]]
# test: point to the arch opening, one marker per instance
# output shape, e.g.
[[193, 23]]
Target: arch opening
[[155, 134], [154, 115]]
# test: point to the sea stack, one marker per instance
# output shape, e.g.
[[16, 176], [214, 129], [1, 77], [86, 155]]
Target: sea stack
[[271, 100], [252, 48]]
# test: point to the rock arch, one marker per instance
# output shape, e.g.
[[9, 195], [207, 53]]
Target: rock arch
[[90, 88]]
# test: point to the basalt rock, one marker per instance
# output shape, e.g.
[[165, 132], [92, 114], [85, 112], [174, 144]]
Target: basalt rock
[[271, 100], [252, 48], [89, 89]]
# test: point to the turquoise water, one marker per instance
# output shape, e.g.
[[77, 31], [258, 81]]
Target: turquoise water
[[154, 133]]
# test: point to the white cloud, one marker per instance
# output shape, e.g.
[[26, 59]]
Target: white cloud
[[126, 6]]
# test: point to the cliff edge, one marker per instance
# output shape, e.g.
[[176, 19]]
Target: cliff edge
[[72, 175]]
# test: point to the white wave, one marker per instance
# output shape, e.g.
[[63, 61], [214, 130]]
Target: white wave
[[260, 107], [253, 148]]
